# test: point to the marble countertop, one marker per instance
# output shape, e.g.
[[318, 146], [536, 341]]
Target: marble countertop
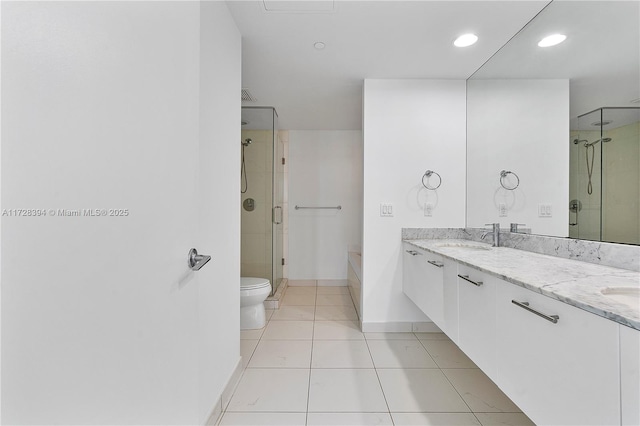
[[570, 281]]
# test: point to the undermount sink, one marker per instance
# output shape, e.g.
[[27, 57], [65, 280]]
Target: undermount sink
[[465, 245], [628, 295]]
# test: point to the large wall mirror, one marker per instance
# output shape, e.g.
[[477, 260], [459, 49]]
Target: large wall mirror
[[554, 132]]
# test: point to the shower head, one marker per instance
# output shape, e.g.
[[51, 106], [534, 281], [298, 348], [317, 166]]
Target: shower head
[[577, 141], [246, 142]]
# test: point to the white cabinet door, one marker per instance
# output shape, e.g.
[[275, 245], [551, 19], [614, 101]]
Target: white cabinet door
[[434, 279], [630, 375], [564, 373], [450, 296], [414, 271], [477, 318], [422, 281]]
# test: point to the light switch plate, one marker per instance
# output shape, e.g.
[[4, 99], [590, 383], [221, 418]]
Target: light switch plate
[[386, 210], [545, 210]]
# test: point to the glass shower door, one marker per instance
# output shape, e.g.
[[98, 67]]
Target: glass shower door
[[585, 183], [262, 186], [621, 175], [278, 205]]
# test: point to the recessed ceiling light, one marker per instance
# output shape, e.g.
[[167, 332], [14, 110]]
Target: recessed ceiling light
[[552, 40], [319, 45], [465, 40]]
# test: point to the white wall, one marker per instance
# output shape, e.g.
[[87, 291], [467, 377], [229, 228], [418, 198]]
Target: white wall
[[109, 105], [521, 126], [409, 126], [219, 186], [325, 169]]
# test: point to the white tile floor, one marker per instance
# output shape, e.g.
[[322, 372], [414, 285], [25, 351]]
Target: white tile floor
[[311, 365]]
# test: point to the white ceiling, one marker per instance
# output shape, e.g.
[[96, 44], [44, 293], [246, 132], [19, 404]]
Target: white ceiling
[[322, 90]]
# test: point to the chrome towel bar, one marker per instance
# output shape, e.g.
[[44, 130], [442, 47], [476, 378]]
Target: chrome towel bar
[[319, 208]]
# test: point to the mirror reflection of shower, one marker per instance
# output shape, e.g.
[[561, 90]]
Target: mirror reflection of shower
[[244, 183], [588, 145], [604, 182]]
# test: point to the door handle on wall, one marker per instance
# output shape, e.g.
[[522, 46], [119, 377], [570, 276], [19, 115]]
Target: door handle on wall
[[197, 261], [275, 220]]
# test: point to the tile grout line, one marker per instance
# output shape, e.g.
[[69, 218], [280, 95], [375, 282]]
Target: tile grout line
[[244, 370], [313, 331], [447, 378], [379, 381]]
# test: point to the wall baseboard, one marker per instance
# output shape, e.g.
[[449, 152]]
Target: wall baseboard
[[227, 393], [400, 327]]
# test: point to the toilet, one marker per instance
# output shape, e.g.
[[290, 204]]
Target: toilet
[[253, 292]]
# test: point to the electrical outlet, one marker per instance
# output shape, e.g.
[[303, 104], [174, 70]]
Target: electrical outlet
[[386, 210], [428, 210], [502, 210]]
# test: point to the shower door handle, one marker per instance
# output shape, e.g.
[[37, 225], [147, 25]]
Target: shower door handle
[[274, 218]]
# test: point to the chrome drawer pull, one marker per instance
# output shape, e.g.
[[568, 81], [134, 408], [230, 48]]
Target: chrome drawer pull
[[525, 305], [466, 278], [413, 252], [435, 263]]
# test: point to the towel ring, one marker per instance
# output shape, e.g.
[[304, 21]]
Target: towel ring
[[504, 174], [427, 175]]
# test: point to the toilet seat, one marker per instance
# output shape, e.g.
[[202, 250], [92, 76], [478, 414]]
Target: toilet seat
[[251, 283]]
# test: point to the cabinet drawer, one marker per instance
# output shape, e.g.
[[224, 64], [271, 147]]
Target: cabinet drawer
[[423, 281], [630, 375], [477, 318], [558, 363], [450, 294]]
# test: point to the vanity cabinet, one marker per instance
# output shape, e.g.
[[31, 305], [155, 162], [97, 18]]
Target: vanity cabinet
[[477, 317], [423, 281], [450, 304], [565, 372], [630, 375]]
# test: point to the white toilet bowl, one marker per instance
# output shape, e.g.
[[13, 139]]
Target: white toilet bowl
[[253, 292]]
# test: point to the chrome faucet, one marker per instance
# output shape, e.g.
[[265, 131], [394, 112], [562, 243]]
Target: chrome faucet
[[514, 227], [495, 232]]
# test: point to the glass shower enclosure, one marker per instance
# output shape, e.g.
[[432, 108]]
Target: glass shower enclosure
[[604, 179], [262, 187]]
